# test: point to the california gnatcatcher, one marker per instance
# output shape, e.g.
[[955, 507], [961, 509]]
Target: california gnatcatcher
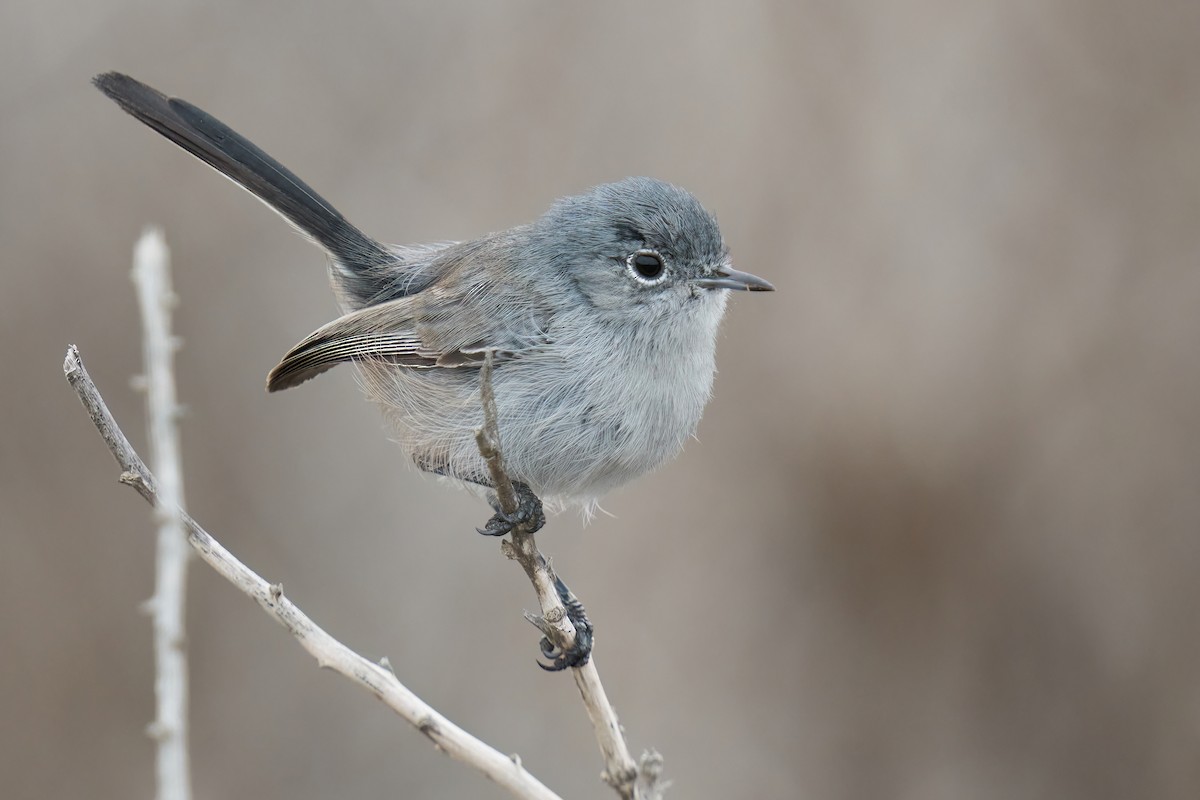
[[601, 317]]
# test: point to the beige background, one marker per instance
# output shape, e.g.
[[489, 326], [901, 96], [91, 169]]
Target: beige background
[[940, 536]]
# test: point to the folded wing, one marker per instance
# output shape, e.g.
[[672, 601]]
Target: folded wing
[[433, 329]]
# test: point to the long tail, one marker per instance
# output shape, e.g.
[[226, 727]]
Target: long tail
[[236, 157]]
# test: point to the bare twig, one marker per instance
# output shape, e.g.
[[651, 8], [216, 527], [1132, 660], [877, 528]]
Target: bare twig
[[631, 780], [523, 549], [329, 652], [152, 277]]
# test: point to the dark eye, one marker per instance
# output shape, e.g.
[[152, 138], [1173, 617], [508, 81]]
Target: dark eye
[[647, 266]]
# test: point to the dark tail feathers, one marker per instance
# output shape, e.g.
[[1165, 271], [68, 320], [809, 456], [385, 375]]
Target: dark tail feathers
[[231, 154]]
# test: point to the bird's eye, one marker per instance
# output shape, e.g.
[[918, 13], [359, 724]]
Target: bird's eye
[[647, 266]]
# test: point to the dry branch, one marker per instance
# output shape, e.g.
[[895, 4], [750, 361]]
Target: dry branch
[[152, 277], [631, 780], [328, 651]]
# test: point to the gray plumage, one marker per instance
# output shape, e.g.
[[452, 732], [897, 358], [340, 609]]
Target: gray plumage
[[601, 315]]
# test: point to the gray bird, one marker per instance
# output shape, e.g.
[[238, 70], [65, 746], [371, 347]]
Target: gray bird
[[601, 317]]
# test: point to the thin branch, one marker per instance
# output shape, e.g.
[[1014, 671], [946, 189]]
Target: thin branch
[[632, 780], [329, 652], [523, 548], [152, 277]]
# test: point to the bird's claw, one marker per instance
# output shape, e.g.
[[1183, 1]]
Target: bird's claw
[[529, 513], [581, 651]]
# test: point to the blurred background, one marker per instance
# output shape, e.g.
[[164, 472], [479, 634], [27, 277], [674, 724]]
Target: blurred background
[[940, 534]]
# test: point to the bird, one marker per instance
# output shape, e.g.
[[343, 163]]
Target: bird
[[599, 319]]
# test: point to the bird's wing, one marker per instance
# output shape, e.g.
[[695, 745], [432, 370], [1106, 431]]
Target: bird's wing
[[433, 329]]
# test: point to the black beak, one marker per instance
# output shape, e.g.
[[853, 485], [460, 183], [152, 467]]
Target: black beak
[[729, 278]]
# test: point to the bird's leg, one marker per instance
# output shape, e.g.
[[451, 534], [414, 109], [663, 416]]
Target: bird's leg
[[578, 654], [529, 513]]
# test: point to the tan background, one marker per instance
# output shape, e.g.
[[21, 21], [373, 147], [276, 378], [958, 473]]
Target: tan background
[[940, 537]]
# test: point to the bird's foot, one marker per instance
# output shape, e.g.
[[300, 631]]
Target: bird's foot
[[529, 513], [581, 651]]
